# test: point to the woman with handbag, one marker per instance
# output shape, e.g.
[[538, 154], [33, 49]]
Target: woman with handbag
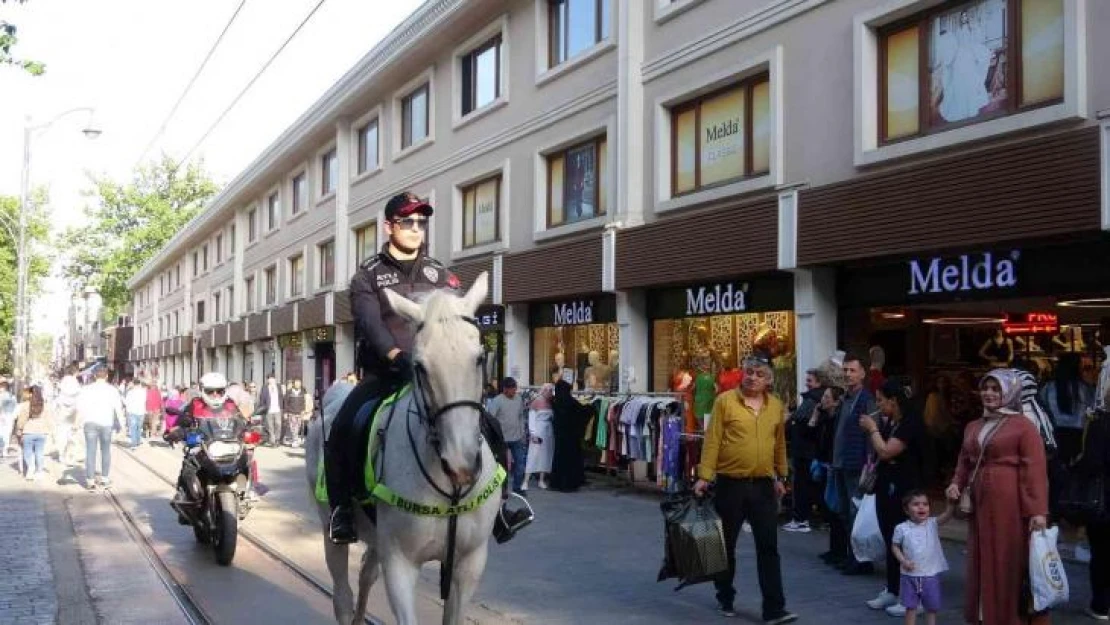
[[896, 444], [1001, 485]]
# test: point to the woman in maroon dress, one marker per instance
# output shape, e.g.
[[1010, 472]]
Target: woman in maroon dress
[[1010, 496]]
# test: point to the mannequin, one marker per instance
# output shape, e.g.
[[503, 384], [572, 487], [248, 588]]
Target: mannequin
[[729, 376], [597, 374], [705, 390], [877, 355], [561, 364], [998, 351], [682, 381], [582, 364], [614, 371]]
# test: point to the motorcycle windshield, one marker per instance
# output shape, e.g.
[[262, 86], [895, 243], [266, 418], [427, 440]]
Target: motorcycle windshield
[[221, 428]]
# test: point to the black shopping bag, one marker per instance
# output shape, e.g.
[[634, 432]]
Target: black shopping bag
[[694, 540]]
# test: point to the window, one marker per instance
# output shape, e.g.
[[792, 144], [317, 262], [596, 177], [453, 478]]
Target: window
[[296, 276], [576, 183], [481, 76], [368, 147], [231, 247], [162, 284], [273, 211], [204, 257], [219, 248], [721, 137], [329, 172], [200, 311], [231, 302], [270, 282], [248, 291], [196, 263], [252, 225], [366, 242], [963, 63], [325, 252], [573, 26], [300, 192], [216, 307], [414, 117], [177, 322], [481, 212]]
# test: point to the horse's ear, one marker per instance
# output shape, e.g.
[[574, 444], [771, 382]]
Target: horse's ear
[[405, 307], [477, 293]]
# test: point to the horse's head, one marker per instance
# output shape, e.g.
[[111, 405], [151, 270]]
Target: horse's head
[[450, 370]]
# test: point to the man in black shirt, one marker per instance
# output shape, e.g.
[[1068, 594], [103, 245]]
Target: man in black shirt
[[384, 346]]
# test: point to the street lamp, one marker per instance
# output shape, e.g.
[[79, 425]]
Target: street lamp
[[91, 131]]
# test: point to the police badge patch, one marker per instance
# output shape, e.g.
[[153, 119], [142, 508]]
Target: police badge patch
[[432, 274]]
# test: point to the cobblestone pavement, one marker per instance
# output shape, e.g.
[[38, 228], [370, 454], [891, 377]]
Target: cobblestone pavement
[[26, 578]]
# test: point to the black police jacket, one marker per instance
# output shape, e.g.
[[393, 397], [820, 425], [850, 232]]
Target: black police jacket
[[378, 328]]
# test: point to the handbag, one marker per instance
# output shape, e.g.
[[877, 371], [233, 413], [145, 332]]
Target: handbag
[[966, 508]]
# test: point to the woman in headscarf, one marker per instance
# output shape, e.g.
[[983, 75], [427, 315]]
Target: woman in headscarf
[[1009, 493], [568, 467], [541, 443]]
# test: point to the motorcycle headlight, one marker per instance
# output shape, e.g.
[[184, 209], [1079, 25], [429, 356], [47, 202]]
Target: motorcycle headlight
[[224, 449]]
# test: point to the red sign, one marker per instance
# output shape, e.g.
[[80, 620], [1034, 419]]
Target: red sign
[[1031, 323]]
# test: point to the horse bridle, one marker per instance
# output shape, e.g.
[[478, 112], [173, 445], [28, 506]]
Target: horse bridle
[[430, 419]]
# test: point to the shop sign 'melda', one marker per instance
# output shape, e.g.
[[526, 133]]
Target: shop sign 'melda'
[[574, 313], [969, 272], [715, 300]]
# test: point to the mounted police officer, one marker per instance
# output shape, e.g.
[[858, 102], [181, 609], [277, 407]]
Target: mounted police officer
[[384, 346]]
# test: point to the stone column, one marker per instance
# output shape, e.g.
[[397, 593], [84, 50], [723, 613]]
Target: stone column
[[518, 339], [815, 308], [633, 322]]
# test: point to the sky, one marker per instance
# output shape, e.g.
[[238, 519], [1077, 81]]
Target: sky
[[131, 59]]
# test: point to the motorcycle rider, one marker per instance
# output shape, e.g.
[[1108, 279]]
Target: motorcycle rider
[[384, 350], [212, 403]]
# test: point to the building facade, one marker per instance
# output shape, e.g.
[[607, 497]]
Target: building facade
[[658, 187]]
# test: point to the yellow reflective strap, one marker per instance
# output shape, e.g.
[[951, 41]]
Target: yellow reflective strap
[[370, 478], [386, 495]]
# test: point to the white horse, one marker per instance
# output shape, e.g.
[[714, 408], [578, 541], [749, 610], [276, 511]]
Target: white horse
[[447, 443]]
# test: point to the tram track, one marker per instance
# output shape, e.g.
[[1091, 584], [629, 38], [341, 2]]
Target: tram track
[[189, 605]]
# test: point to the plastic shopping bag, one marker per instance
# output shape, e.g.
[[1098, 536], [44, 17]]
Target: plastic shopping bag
[[867, 540], [694, 540], [1047, 578]]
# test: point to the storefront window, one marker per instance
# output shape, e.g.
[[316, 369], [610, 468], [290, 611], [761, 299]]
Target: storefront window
[[580, 340]]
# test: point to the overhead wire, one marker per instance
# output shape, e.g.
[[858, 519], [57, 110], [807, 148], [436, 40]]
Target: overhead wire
[[253, 80], [192, 81]]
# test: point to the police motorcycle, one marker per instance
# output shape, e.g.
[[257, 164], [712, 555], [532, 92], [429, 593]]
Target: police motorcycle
[[213, 487]]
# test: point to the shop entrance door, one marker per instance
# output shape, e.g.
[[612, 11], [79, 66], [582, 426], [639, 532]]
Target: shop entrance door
[[324, 354]]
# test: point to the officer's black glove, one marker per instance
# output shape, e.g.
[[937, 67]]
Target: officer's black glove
[[401, 366]]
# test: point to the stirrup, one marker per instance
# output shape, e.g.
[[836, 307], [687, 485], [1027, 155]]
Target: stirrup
[[505, 526]]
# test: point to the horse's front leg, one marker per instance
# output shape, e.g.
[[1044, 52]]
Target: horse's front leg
[[367, 575], [400, 583], [468, 572]]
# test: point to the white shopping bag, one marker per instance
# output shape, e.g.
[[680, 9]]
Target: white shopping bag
[[867, 539], [1047, 578]]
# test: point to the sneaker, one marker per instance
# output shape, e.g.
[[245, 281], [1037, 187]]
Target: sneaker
[[542, 484], [883, 601], [801, 527], [1098, 616], [747, 527], [783, 617], [105, 482], [90, 486], [899, 610], [30, 477], [726, 609]]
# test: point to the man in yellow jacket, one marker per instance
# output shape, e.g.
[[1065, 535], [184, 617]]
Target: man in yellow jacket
[[745, 452]]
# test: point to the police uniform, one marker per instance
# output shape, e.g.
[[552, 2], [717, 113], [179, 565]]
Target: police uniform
[[378, 328]]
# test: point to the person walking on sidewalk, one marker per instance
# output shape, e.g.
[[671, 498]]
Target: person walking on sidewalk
[[152, 426], [269, 406], [8, 407], [294, 404], [99, 407], [745, 452], [134, 402], [803, 451], [849, 450], [508, 409], [34, 423]]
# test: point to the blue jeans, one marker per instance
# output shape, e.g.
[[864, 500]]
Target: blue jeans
[[519, 450], [95, 434], [135, 428], [34, 448]]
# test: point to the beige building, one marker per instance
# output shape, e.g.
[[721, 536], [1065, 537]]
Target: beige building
[[658, 187]]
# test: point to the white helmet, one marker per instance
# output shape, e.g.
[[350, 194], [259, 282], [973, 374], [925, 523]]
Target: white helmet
[[213, 388]]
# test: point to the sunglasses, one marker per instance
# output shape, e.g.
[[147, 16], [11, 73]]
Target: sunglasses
[[213, 391], [411, 223]]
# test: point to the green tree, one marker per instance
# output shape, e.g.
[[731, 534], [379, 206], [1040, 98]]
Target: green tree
[[8, 40], [129, 222], [38, 263]]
